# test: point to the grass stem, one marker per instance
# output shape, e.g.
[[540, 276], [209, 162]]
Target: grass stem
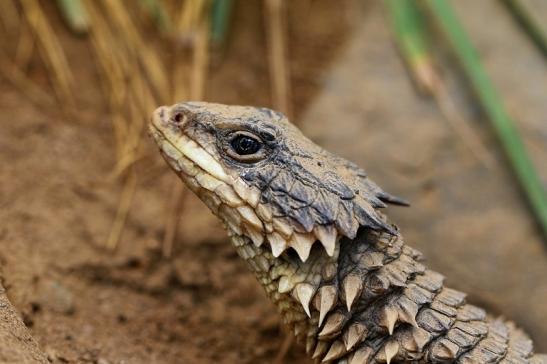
[[492, 104]]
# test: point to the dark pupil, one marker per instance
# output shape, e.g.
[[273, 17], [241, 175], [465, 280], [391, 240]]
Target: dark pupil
[[245, 145]]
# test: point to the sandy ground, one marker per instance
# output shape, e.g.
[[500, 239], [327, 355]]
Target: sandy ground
[[82, 304]]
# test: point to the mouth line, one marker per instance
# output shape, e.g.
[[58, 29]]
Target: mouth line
[[157, 132]]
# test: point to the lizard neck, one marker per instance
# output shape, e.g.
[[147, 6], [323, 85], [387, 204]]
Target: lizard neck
[[374, 302], [290, 283]]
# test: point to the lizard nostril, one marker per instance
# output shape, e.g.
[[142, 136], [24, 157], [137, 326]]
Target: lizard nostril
[[178, 117]]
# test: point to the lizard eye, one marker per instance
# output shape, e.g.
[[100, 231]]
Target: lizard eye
[[245, 145]]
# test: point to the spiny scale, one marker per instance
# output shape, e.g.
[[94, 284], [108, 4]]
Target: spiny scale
[[336, 350], [304, 293], [328, 236], [324, 301], [302, 244], [391, 349], [354, 334], [388, 318], [352, 285], [333, 325]]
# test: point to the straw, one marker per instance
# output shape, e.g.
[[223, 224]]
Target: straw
[[9, 17], [194, 21], [277, 55], [13, 74], [51, 50], [126, 199]]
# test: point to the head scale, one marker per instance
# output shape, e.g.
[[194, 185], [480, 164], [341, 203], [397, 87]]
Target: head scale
[[266, 180]]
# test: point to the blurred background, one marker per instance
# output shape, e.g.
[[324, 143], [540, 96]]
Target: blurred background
[[108, 259]]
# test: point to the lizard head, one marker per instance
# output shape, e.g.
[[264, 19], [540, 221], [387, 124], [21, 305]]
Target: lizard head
[[266, 180]]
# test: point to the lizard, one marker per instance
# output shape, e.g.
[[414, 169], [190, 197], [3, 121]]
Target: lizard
[[309, 225]]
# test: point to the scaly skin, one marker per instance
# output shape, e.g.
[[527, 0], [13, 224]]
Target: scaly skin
[[308, 225]]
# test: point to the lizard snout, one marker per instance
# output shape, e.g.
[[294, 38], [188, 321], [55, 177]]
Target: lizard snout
[[173, 116], [160, 116]]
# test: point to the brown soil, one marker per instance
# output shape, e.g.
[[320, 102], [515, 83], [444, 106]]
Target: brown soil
[[86, 305], [83, 304]]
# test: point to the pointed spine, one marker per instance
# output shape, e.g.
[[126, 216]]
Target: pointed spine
[[388, 318], [302, 244], [327, 234], [333, 325], [355, 333], [324, 301], [277, 244], [304, 293], [361, 356], [353, 286], [336, 350], [391, 350], [320, 349]]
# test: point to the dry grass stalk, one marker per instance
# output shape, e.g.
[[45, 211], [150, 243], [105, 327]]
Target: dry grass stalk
[[120, 61], [126, 199], [136, 82], [194, 22], [25, 47], [133, 77], [430, 83], [276, 30], [174, 208], [114, 65], [9, 17], [120, 50], [285, 347], [13, 67], [19, 79], [460, 125], [200, 61], [51, 50], [152, 65]]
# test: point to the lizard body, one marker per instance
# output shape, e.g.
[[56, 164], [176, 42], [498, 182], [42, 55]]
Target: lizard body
[[308, 225]]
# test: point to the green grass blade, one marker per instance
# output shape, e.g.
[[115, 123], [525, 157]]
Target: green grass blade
[[529, 23], [504, 127], [75, 15], [220, 20], [157, 13], [409, 31]]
